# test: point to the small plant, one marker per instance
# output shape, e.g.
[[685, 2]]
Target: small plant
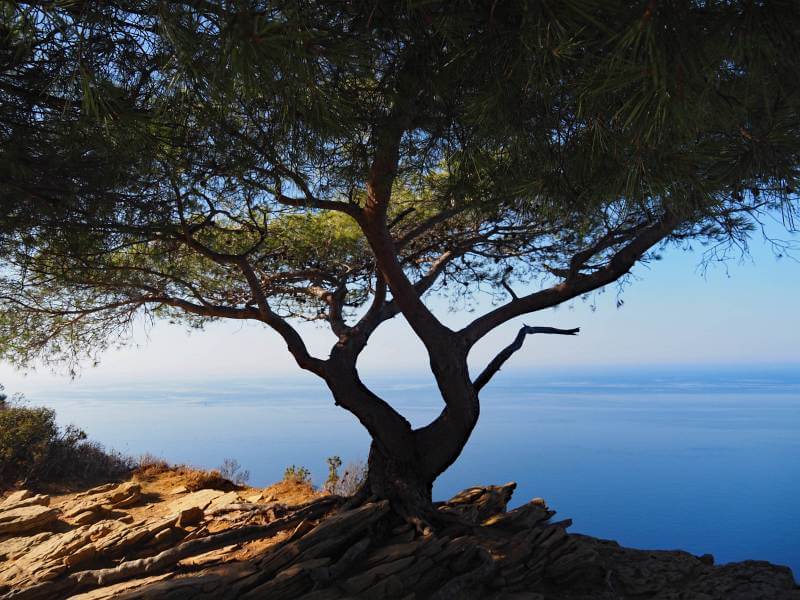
[[331, 483], [231, 469], [349, 482], [297, 474]]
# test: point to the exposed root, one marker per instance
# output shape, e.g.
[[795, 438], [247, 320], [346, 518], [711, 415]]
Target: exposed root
[[468, 548]]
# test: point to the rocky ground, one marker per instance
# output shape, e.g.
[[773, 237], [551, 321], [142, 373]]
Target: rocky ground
[[168, 536]]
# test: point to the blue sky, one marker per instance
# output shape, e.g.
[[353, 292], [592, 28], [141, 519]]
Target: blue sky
[[744, 312]]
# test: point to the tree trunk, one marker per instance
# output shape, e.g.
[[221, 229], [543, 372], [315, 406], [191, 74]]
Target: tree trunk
[[403, 463], [400, 479]]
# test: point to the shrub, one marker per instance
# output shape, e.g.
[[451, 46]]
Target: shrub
[[334, 462], [26, 435], [150, 466], [297, 474], [198, 479], [231, 469], [34, 449], [354, 476]]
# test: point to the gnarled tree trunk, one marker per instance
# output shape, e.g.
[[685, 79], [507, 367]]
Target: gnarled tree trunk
[[400, 479], [404, 463]]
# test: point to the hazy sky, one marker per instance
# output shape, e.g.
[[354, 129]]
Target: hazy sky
[[745, 312]]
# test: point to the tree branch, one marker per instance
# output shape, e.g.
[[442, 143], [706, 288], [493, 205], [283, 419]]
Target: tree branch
[[498, 361], [294, 342], [427, 225], [618, 265]]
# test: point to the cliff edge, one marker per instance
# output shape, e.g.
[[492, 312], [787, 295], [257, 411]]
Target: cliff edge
[[173, 536]]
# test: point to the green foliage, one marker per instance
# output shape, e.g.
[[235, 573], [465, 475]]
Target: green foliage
[[26, 437], [334, 462], [297, 474], [349, 482], [530, 133], [35, 450]]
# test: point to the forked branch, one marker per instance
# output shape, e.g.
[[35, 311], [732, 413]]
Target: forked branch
[[499, 360]]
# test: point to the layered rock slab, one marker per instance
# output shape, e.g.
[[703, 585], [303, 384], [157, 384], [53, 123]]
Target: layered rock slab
[[365, 553]]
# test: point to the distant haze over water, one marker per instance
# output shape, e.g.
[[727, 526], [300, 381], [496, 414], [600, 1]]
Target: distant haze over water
[[705, 460]]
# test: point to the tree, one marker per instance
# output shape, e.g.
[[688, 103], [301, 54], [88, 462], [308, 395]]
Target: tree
[[340, 162]]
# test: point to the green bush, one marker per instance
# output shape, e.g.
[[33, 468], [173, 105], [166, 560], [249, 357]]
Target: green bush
[[347, 484], [26, 436], [297, 474], [34, 449], [334, 462]]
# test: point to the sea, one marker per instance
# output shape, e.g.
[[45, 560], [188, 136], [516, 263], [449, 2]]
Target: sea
[[704, 460]]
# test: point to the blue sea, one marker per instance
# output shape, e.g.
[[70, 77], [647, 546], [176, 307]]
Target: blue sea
[[702, 460]]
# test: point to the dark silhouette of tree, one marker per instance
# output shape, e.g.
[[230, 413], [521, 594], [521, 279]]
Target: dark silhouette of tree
[[340, 161]]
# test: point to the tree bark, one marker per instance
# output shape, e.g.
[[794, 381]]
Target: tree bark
[[403, 463], [400, 479]]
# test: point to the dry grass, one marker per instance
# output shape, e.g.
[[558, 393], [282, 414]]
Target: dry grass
[[197, 479], [151, 468], [292, 491]]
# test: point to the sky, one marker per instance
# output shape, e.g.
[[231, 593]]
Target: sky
[[675, 313]]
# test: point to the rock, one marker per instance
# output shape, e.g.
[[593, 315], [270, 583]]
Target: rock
[[124, 494], [181, 489], [368, 578], [706, 559], [124, 537], [85, 518], [290, 583], [117, 591], [15, 497], [118, 496], [24, 498], [26, 518], [51, 555], [391, 553], [200, 499], [162, 536], [97, 490], [361, 553], [15, 547], [128, 501], [526, 516], [224, 500], [47, 556], [190, 516], [747, 580]]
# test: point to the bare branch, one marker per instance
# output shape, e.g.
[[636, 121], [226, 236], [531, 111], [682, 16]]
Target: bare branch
[[507, 286], [498, 361]]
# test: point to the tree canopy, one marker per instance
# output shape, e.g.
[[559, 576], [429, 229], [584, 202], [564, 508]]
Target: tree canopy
[[340, 161]]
